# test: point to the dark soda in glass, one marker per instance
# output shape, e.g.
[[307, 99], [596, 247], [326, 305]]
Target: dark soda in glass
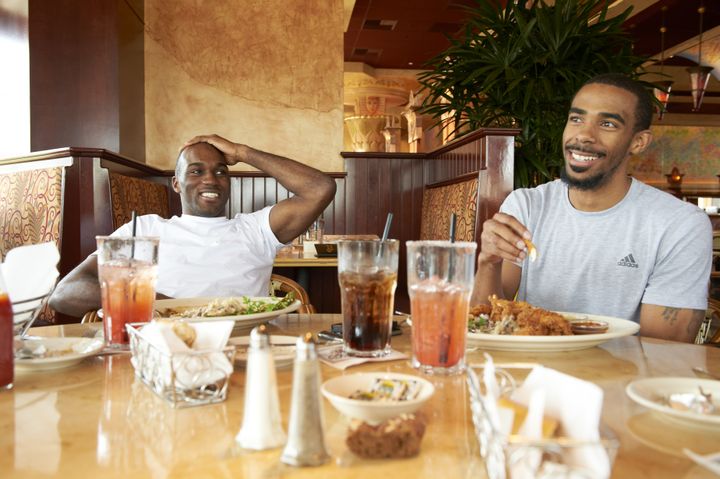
[[367, 307]]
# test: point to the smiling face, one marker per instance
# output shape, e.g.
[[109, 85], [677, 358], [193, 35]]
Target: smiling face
[[600, 136], [202, 179]]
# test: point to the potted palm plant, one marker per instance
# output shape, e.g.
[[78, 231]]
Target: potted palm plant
[[518, 66]]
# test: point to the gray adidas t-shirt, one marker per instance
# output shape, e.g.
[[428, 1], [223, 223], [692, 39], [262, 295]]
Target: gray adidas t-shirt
[[649, 248]]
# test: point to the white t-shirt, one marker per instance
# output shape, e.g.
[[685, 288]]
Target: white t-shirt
[[211, 256], [648, 248]]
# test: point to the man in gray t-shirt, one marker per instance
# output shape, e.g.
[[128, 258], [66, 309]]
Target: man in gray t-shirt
[[607, 244]]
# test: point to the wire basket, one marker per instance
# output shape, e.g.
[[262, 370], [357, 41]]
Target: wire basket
[[184, 379], [511, 456], [25, 312]]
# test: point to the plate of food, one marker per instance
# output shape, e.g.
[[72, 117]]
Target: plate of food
[[691, 401], [37, 354], [282, 347], [246, 311], [517, 326]]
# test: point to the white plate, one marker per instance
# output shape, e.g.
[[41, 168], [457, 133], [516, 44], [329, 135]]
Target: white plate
[[651, 393], [73, 350], [617, 328], [283, 349], [242, 321]]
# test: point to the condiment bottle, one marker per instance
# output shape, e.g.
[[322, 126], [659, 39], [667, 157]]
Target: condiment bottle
[[7, 351], [261, 428], [306, 442]]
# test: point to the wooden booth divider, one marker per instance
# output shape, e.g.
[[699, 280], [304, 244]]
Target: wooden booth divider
[[98, 189]]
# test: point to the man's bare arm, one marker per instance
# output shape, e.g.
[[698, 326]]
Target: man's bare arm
[[501, 246], [313, 190], [665, 322], [79, 291]]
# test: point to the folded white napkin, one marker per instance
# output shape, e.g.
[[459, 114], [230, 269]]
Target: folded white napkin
[[191, 370], [29, 272], [577, 404], [334, 356]]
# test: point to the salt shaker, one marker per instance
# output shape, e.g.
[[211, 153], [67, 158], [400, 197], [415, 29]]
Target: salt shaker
[[261, 428], [306, 441]]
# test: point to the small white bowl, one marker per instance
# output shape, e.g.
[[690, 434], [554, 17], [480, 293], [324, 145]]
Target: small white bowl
[[338, 390]]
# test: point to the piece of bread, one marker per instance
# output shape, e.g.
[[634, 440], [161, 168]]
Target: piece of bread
[[397, 437], [182, 330], [549, 425]]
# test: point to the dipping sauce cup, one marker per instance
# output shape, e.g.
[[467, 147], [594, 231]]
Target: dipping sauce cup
[[367, 273], [440, 280], [127, 270]]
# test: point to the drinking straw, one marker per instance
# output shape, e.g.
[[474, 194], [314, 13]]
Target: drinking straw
[[388, 222], [452, 227], [445, 338], [134, 231], [385, 234]]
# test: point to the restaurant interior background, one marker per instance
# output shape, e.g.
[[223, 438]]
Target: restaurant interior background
[[305, 79], [138, 77]]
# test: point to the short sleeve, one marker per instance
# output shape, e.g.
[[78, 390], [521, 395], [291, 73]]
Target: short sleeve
[[682, 270]]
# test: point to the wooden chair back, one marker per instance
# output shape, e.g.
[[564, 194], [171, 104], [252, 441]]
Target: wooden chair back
[[283, 284]]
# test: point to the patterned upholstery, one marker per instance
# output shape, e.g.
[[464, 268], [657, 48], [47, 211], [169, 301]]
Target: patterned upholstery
[[31, 211], [144, 197], [438, 204]]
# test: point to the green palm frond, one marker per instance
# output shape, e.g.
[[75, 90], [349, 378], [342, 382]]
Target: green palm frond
[[519, 65]]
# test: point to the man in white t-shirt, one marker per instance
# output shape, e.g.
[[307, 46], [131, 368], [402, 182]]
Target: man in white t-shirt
[[203, 253], [607, 244]]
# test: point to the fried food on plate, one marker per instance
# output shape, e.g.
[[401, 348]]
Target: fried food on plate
[[518, 318]]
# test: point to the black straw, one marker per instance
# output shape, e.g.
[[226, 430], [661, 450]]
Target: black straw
[[452, 227], [134, 231], [445, 338]]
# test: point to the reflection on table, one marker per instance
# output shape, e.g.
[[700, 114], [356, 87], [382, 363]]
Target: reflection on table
[[97, 420]]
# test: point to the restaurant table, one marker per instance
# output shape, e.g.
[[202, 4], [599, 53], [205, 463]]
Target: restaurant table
[[97, 420], [292, 257]]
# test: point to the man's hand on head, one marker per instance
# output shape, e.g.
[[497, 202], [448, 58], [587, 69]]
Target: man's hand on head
[[233, 152]]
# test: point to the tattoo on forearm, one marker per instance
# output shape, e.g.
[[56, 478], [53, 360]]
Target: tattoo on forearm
[[670, 315]]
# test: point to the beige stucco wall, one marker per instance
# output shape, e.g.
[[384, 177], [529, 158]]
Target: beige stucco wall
[[268, 73]]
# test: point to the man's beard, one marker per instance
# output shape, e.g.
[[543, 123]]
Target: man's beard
[[587, 184]]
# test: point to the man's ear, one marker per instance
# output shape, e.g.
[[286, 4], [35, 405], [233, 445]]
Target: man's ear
[[640, 141], [175, 185]]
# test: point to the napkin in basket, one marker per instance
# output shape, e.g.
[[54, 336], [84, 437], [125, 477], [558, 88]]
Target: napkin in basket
[[577, 404], [30, 272], [191, 370]]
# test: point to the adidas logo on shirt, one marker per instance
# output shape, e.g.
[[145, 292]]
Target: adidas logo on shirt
[[628, 261]]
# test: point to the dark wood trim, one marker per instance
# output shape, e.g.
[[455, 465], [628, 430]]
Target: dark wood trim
[[472, 137], [458, 179]]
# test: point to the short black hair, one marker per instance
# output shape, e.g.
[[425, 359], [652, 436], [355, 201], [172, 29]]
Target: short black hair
[[179, 164], [644, 104]]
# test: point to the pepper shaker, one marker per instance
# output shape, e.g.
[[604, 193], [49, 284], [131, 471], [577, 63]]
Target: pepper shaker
[[306, 441], [261, 428]]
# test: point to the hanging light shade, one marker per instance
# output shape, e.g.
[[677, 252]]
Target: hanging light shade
[[662, 91], [699, 77], [663, 95]]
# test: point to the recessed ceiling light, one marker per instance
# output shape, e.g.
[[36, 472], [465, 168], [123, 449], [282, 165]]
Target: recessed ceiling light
[[410, 63]]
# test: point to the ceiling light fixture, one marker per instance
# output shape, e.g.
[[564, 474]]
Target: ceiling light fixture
[[663, 93], [699, 75]]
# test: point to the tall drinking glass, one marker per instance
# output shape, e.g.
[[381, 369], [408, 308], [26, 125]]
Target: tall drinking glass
[[367, 273], [127, 269], [440, 281]]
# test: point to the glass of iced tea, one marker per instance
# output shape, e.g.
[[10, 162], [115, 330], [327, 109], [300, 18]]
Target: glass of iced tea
[[367, 273], [440, 281], [127, 270]]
